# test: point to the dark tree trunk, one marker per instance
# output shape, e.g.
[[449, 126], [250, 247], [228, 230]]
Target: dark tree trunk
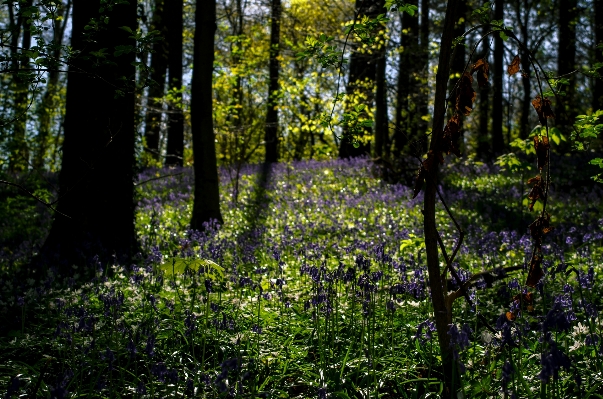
[[49, 104], [568, 17], [443, 314], [97, 176], [459, 58], [19, 157], [526, 103], [175, 133], [407, 73], [483, 141], [598, 84], [381, 122], [362, 74], [206, 206], [423, 92], [159, 64], [271, 132], [497, 86]]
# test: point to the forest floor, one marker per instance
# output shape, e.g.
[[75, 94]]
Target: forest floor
[[314, 286]]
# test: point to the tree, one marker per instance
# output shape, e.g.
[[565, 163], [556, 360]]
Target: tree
[[497, 86], [566, 61], [206, 204], [175, 132], [440, 307], [97, 177], [483, 148], [159, 64], [361, 80], [406, 117], [271, 135]]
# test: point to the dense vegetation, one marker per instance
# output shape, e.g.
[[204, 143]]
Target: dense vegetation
[[174, 221]]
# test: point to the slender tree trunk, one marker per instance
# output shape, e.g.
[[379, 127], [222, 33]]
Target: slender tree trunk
[[423, 92], [271, 132], [175, 133], [362, 74], [97, 176], [459, 58], [19, 157], [598, 83], [526, 104], [497, 86], [566, 63], [159, 64], [483, 148], [206, 206], [49, 105], [381, 123], [443, 315]]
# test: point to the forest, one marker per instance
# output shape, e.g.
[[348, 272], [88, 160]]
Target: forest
[[301, 199]]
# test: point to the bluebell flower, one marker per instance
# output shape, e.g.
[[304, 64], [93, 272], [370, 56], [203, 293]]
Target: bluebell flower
[[507, 373], [552, 361], [141, 389], [150, 348], [256, 329]]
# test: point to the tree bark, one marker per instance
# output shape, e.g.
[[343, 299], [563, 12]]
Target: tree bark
[[598, 28], [443, 315], [423, 92], [97, 176], [206, 206], [407, 74], [381, 122], [159, 64], [175, 133], [271, 129], [483, 147], [497, 86], [361, 80], [526, 103], [566, 63]]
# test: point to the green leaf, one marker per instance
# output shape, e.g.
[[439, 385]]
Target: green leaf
[[179, 265], [126, 28]]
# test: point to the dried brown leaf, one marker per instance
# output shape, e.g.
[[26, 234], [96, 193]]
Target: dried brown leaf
[[542, 147], [465, 95], [543, 108], [451, 135], [482, 68], [535, 273], [513, 68]]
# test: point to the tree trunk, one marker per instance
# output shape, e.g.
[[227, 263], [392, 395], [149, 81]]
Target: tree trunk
[[497, 86], [96, 182], [483, 148], [175, 133], [443, 315], [381, 123], [407, 71], [206, 206], [423, 93], [271, 132], [526, 104], [19, 157], [566, 63], [47, 110], [362, 74], [459, 58], [159, 64], [598, 83]]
